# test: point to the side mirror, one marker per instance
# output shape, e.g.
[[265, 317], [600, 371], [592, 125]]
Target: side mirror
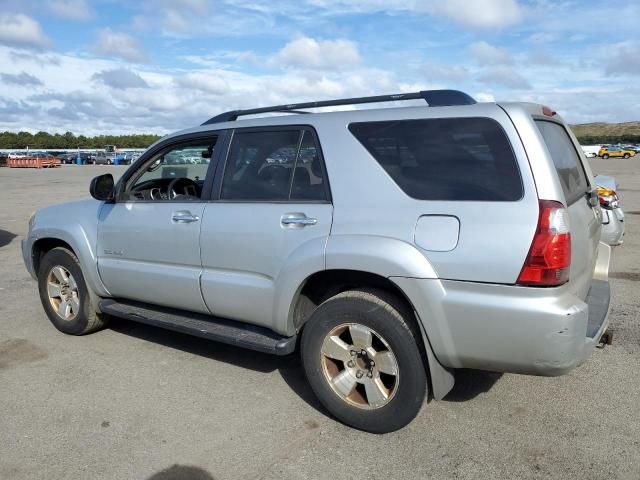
[[102, 187]]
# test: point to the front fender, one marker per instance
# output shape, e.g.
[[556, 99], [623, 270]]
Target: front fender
[[75, 223]]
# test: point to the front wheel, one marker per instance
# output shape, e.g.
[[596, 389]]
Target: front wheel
[[626, 155], [361, 356], [64, 294], [605, 156]]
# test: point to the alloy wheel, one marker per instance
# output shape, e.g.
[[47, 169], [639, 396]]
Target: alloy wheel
[[62, 291], [359, 366]]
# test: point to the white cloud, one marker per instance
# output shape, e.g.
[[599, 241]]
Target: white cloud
[[22, 79], [445, 72], [478, 13], [121, 45], [541, 57], [204, 82], [504, 76], [484, 97], [623, 58], [70, 9], [120, 78], [488, 54], [19, 30], [307, 52], [472, 13]]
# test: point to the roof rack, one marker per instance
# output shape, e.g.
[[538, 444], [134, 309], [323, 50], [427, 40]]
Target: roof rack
[[435, 98]]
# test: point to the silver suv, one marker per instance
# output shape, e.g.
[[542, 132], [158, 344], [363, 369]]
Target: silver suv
[[389, 246]]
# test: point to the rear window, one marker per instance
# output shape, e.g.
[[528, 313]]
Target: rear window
[[566, 160], [445, 158]]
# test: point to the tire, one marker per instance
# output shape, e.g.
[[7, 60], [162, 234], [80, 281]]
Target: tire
[[59, 271], [108, 162], [605, 156], [355, 389], [626, 155]]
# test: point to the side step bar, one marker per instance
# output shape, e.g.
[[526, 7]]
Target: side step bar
[[222, 330]]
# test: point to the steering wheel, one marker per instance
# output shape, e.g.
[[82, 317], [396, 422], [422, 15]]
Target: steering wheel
[[181, 182]]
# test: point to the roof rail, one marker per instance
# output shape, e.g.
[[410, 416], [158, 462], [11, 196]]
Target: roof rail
[[435, 98]]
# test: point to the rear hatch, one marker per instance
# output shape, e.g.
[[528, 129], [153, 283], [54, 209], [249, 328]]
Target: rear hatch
[[584, 219]]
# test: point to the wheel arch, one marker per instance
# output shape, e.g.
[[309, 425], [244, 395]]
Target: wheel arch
[[319, 286], [43, 245], [77, 242]]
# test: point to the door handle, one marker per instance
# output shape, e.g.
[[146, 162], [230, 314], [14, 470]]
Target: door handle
[[184, 216], [297, 220]]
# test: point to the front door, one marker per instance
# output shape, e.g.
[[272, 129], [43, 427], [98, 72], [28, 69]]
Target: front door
[[148, 240], [270, 222]]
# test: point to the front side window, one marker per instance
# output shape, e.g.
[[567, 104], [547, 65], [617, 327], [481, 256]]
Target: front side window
[[273, 166], [445, 158], [174, 174]]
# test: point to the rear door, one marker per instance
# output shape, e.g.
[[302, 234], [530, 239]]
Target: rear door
[[273, 211], [585, 220]]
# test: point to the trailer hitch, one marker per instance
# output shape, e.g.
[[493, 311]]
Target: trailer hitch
[[605, 339]]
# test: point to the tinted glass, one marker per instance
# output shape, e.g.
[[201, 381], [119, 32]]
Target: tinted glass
[[260, 165], [446, 158], [568, 165], [308, 179]]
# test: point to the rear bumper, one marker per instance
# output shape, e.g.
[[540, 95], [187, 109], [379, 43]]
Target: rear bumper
[[539, 331]]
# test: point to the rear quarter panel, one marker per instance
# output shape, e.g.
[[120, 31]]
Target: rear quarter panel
[[494, 236]]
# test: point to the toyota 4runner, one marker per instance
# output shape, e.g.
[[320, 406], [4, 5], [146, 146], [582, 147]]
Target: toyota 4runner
[[390, 246]]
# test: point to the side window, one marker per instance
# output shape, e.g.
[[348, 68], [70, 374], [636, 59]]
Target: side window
[[453, 159], [174, 174], [308, 178], [273, 166], [566, 160]]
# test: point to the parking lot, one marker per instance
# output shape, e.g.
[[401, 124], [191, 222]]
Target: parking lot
[[136, 402]]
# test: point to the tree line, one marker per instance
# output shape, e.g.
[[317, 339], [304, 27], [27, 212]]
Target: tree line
[[628, 138], [69, 141]]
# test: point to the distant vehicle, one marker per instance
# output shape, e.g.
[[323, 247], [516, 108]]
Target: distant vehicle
[[615, 152], [39, 155], [590, 150], [71, 158], [101, 158], [612, 214]]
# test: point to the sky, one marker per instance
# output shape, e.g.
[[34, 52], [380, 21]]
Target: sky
[[155, 66]]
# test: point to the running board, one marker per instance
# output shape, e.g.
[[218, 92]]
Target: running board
[[222, 330]]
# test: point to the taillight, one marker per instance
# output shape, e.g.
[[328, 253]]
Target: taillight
[[549, 258], [607, 198]]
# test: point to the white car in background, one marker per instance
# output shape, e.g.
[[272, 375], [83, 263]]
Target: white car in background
[[590, 151]]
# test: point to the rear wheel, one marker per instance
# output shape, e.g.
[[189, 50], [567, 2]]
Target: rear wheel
[[605, 156], [108, 162], [64, 294], [361, 356]]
